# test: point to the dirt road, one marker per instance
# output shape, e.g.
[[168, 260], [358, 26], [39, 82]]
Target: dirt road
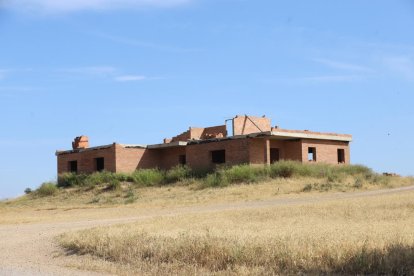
[[29, 249]]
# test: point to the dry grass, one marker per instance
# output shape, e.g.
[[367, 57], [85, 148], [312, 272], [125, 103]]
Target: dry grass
[[360, 236], [99, 202]]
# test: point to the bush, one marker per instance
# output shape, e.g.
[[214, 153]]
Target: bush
[[215, 180], [71, 179], [130, 197], [177, 173], [47, 189], [282, 169], [114, 185], [148, 177], [100, 178], [27, 191], [224, 176], [243, 174]]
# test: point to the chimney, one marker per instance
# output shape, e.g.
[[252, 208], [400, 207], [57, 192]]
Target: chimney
[[80, 142]]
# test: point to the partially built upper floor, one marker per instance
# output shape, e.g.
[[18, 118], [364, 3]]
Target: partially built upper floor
[[241, 140]]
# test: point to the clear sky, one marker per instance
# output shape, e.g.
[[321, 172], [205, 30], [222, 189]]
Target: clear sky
[[137, 71]]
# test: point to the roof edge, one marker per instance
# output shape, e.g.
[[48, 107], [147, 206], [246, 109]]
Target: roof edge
[[311, 135]]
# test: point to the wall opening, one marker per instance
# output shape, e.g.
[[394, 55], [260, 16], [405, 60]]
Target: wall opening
[[73, 166], [230, 127], [341, 156], [99, 164], [311, 154], [274, 155], [218, 156], [182, 160]]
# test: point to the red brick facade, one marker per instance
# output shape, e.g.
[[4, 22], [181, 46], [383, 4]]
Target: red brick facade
[[205, 148]]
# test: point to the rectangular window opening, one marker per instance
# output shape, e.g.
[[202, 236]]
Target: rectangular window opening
[[312, 154], [274, 155], [99, 164], [218, 156], [73, 166], [341, 156], [182, 159]]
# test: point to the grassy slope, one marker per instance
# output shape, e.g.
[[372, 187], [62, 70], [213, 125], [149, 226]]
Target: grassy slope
[[152, 189], [367, 235]]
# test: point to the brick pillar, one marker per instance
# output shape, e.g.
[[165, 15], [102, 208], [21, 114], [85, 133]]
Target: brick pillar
[[267, 152]]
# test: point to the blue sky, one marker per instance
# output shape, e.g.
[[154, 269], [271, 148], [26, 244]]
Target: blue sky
[[137, 71]]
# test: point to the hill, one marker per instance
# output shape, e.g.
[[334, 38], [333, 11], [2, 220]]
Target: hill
[[290, 218]]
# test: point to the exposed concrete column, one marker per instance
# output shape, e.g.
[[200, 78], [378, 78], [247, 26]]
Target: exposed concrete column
[[267, 151]]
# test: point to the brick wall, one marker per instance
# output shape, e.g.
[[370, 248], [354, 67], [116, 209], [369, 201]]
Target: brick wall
[[199, 155], [288, 150], [128, 159], [169, 157], [292, 150], [326, 151], [200, 133], [237, 151], [242, 125], [86, 160], [213, 132]]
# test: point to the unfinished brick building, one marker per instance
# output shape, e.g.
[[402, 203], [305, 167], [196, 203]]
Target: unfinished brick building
[[253, 141]]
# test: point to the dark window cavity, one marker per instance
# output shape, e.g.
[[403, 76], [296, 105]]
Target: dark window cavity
[[100, 164], [274, 155], [73, 166], [182, 159], [218, 156], [341, 156]]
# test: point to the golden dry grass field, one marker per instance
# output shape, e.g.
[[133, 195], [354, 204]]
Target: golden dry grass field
[[281, 226], [371, 235]]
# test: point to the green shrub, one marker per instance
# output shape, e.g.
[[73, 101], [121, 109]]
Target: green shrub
[[130, 197], [177, 173], [283, 169], [90, 180], [100, 178], [47, 189], [148, 177], [124, 177], [224, 175], [243, 174], [71, 179], [27, 191], [215, 180], [114, 185], [355, 170]]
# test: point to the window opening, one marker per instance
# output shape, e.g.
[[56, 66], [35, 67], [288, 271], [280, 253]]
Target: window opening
[[218, 156], [73, 166], [100, 164], [341, 156], [274, 155], [311, 154]]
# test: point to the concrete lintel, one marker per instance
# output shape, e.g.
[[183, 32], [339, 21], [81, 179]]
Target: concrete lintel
[[82, 150], [168, 145], [311, 136]]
